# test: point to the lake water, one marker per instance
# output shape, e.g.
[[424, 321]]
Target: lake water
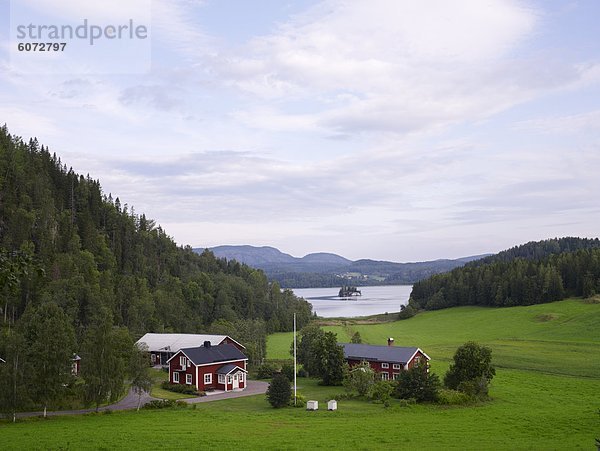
[[374, 300]]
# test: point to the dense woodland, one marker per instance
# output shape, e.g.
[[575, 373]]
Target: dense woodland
[[65, 243], [533, 273]]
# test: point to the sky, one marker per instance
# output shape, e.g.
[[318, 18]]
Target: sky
[[383, 129]]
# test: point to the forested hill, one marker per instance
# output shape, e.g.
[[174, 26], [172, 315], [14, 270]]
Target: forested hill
[[331, 270], [533, 273], [64, 241]]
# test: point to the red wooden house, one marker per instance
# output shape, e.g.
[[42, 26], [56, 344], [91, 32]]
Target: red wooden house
[[209, 367], [387, 361]]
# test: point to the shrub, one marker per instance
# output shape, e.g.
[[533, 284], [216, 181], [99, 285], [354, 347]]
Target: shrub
[[381, 391], [266, 371], [300, 400], [302, 373], [279, 391], [475, 388], [471, 361], [164, 404], [417, 383], [407, 311], [288, 371], [359, 379], [179, 388], [407, 402], [453, 397]]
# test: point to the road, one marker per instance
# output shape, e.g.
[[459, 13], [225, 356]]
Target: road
[[131, 401]]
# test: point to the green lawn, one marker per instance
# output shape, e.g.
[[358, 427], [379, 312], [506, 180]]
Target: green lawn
[[158, 377], [545, 396]]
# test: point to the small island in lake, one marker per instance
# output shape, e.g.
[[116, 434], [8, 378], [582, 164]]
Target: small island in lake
[[348, 291]]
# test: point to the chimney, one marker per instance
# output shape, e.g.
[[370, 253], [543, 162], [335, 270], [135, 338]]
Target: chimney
[[390, 341], [207, 344]]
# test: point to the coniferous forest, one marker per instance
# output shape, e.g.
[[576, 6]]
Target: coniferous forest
[[533, 273], [81, 262]]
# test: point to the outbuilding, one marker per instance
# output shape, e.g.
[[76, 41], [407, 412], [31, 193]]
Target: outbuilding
[[163, 346]]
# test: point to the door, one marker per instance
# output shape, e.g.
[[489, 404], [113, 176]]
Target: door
[[236, 382]]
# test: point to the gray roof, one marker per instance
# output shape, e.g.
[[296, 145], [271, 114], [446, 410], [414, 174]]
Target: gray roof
[[175, 342], [213, 354], [372, 353], [226, 369]]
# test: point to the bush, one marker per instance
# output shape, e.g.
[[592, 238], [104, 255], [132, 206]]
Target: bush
[[288, 371], [453, 397], [302, 373], [164, 404], [279, 391], [475, 388], [359, 379], [407, 311], [179, 388], [407, 402], [266, 371], [417, 383], [471, 362], [300, 400], [381, 391]]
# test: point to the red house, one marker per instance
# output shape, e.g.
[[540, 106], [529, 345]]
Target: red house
[[209, 367], [387, 361]]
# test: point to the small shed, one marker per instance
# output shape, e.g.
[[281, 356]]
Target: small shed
[[312, 405], [332, 405]]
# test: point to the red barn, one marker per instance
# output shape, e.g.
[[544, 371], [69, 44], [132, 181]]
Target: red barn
[[163, 346], [209, 367], [387, 361]]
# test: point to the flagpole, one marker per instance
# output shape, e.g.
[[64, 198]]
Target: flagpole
[[294, 359]]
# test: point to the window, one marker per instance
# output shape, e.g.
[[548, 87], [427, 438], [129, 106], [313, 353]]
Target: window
[[385, 365], [208, 378], [241, 377], [396, 366], [175, 378], [396, 376], [182, 361], [229, 379], [221, 378], [385, 376], [188, 379]]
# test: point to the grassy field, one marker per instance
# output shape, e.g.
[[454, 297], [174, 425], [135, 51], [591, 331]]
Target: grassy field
[[545, 396]]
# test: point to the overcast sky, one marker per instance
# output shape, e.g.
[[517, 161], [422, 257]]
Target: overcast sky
[[384, 129]]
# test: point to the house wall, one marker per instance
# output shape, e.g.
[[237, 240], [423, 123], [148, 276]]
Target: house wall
[[205, 369], [175, 367], [378, 367], [418, 356]]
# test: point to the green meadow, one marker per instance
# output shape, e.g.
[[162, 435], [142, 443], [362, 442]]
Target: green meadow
[[546, 395]]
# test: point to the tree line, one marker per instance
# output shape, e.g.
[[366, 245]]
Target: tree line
[[65, 243], [534, 273]]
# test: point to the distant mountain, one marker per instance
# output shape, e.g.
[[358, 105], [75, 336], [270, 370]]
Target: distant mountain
[[325, 269]]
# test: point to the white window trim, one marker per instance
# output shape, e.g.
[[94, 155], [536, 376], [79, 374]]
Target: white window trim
[[188, 379], [385, 365], [221, 378], [396, 366], [396, 376], [229, 379], [175, 377], [208, 378], [385, 377]]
